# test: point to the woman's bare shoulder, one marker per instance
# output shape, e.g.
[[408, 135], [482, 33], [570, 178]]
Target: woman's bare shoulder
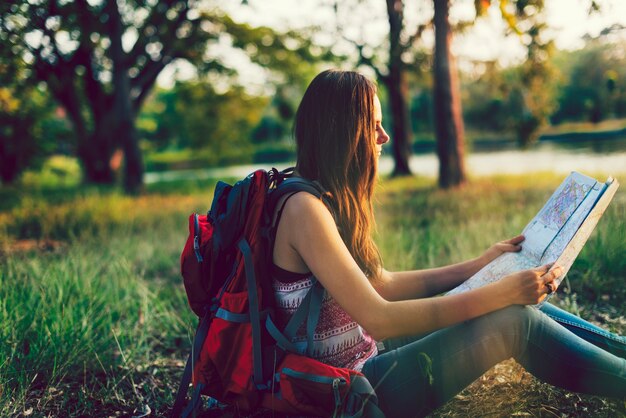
[[304, 208], [304, 218], [302, 223]]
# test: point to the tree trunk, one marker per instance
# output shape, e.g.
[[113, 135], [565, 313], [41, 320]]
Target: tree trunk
[[14, 154], [9, 168], [447, 103], [94, 146], [133, 162], [400, 144], [123, 114], [94, 152], [397, 88]]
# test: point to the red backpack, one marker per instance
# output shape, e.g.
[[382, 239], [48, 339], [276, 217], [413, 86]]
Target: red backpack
[[239, 357]]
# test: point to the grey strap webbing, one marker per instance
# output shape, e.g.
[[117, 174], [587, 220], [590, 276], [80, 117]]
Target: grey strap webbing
[[201, 333], [255, 315], [362, 401]]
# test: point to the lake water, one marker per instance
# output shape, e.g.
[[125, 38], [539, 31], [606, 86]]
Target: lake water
[[593, 157]]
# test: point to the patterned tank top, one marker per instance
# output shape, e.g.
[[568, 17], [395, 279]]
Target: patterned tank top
[[338, 340]]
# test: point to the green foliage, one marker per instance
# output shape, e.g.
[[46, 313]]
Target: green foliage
[[516, 100], [57, 171], [425, 368], [158, 120], [277, 121], [269, 129], [421, 110], [274, 152], [216, 127], [602, 266], [193, 126], [594, 88], [19, 114], [520, 98], [29, 130], [486, 99], [221, 122], [93, 213], [293, 55]]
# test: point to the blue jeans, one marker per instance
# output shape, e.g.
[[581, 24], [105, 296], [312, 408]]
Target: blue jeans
[[610, 342], [414, 376]]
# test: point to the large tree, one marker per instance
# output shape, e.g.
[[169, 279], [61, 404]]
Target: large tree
[[101, 59]]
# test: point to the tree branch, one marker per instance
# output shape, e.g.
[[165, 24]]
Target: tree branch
[[148, 77], [58, 76], [365, 60], [158, 21], [84, 55], [172, 48], [416, 36]]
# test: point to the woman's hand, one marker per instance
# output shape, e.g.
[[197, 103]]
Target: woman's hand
[[509, 246], [529, 287]]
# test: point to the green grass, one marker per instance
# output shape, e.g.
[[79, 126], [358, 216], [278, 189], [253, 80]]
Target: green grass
[[82, 316], [90, 301], [94, 319]]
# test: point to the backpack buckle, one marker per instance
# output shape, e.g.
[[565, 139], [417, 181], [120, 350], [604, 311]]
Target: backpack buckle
[[278, 176]]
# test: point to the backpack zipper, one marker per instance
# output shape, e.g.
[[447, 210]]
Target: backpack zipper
[[196, 237], [313, 377]]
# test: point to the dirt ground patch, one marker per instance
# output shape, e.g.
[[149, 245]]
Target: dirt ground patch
[[507, 390]]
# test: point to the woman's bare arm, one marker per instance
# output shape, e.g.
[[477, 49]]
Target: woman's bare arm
[[424, 283], [430, 282], [311, 232]]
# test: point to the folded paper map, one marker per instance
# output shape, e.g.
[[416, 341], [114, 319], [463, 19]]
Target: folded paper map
[[556, 234]]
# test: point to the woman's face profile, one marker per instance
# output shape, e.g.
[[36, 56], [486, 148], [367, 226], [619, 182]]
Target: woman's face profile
[[381, 136]]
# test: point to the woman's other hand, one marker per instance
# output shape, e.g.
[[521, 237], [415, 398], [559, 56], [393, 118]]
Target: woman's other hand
[[529, 287], [512, 245]]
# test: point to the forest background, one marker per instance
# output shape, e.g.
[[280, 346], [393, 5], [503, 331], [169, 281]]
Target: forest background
[[59, 97]]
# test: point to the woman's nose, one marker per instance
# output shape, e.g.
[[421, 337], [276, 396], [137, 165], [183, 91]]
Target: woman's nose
[[382, 137]]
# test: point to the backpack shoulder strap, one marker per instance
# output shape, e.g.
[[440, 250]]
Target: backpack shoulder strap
[[308, 313], [293, 185], [288, 187]]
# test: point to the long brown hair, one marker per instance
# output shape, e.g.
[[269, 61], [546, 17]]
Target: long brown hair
[[335, 131]]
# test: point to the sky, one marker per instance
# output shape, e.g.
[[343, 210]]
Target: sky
[[568, 21]]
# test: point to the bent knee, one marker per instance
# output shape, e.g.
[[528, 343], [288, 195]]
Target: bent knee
[[514, 319]]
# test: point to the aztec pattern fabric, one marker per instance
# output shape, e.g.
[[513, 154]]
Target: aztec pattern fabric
[[338, 340]]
